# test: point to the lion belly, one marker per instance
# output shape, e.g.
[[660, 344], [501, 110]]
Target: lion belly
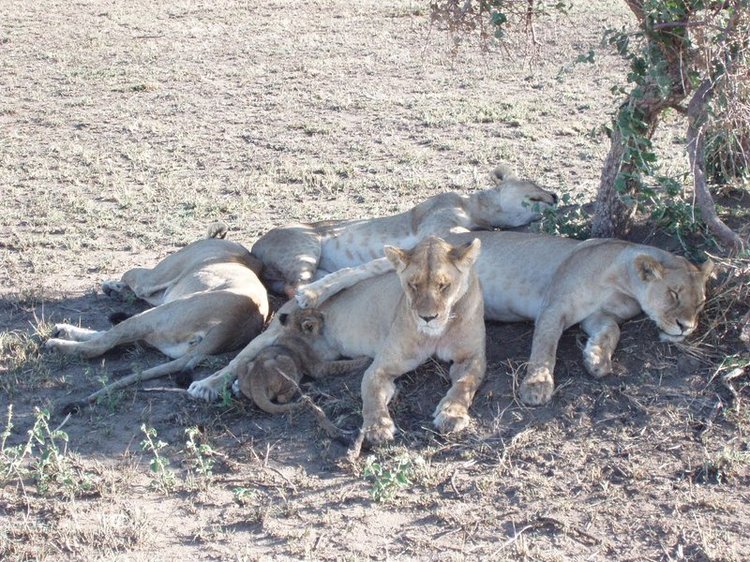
[[361, 242], [515, 270]]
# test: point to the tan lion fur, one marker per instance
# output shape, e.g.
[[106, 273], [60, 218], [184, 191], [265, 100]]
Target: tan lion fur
[[559, 282], [277, 370], [296, 254], [207, 299], [431, 306]]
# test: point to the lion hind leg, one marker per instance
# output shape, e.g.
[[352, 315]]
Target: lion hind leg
[[174, 366]]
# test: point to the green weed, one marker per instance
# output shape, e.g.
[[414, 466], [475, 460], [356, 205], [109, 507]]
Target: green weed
[[570, 221], [43, 459], [164, 477], [199, 455], [387, 478]]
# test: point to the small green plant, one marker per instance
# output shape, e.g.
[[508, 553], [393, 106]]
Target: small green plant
[[243, 496], [200, 455], [164, 477], [570, 221], [227, 399], [388, 480], [43, 458]]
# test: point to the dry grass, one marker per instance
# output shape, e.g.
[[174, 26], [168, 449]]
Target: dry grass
[[130, 127]]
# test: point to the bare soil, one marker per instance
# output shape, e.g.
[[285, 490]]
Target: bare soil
[[126, 128]]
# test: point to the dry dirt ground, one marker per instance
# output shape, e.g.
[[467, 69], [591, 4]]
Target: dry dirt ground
[[127, 127]]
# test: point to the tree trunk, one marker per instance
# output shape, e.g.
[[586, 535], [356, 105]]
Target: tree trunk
[[697, 115], [612, 217], [609, 210]]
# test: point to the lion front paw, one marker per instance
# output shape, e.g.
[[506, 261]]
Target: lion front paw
[[203, 391], [115, 289], [306, 297], [536, 389], [236, 388], [380, 432], [597, 362], [451, 417]]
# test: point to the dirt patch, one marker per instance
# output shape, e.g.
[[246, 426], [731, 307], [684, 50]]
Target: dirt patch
[[130, 127]]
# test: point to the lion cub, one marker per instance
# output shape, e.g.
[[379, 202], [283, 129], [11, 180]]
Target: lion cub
[[276, 372]]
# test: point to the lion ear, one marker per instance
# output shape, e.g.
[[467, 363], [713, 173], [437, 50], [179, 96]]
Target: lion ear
[[466, 255], [283, 318], [398, 257], [707, 268], [648, 268]]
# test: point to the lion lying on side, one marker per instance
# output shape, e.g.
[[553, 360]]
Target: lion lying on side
[[207, 299], [295, 254], [559, 282], [277, 370], [431, 306]]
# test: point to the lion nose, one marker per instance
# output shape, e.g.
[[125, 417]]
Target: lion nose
[[428, 319], [685, 326]]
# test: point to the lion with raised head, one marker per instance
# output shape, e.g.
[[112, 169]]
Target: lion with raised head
[[277, 370], [430, 307], [559, 282], [296, 254]]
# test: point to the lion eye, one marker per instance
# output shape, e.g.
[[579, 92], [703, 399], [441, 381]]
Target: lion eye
[[413, 287], [674, 296], [442, 287]]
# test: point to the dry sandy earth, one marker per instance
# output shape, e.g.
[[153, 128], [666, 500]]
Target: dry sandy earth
[[127, 127]]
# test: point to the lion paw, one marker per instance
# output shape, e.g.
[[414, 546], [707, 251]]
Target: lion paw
[[536, 389], [597, 363], [117, 290], [451, 418], [202, 391], [52, 343], [61, 331], [236, 388], [306, 297], [380, 432]]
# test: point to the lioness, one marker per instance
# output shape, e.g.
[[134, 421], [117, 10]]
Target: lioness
[[559, 282], [207, 299], [277, 370], [431, 306], [295, 254]]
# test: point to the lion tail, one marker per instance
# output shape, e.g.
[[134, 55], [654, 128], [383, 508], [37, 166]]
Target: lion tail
[[259, 396]]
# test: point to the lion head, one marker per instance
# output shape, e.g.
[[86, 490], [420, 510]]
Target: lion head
[[434, 276], [308, 322], [672, 294], [512, 202]]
